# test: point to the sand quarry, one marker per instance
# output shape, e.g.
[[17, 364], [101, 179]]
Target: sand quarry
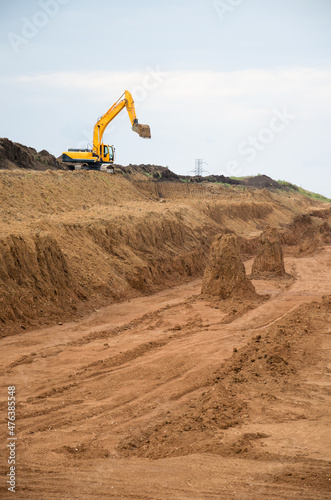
[[146, 367]]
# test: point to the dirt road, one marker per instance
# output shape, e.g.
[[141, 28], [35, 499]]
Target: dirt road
[[170, 397]]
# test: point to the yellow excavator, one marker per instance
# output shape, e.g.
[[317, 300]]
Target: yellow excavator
[[101, 156]]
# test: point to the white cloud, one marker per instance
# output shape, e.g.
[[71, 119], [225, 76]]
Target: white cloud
[[251, 82], [238, 96]]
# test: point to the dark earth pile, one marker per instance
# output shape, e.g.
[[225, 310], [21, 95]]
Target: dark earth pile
[[16, 156]]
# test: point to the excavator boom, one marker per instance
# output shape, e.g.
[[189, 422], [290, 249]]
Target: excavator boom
[[125, 100]]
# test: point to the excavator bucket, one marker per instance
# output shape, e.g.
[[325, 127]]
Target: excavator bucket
[[142, 130]]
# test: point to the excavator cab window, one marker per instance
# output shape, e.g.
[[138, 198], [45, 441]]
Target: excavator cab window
[[104, 153]]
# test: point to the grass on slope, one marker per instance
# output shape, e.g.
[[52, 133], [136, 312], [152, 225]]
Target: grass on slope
[[305, 192]]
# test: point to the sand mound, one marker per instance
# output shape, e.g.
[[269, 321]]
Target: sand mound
[[269, 262], [225, 275]]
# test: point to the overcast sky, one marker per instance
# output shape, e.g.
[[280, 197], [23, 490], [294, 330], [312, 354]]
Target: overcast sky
[[243, 84]]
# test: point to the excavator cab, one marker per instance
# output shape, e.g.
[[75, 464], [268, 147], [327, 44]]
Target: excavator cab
[[106, 153]]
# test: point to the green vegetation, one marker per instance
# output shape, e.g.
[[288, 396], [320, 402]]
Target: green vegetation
[[297, 189], [315, 196]]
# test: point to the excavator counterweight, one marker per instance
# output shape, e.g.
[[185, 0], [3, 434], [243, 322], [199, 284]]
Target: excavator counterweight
[[101, 156]]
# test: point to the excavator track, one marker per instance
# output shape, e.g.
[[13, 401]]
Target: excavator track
[[104, 167]]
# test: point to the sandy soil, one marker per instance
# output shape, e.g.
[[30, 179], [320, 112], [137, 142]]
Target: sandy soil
[[164, 393], [170, 396]]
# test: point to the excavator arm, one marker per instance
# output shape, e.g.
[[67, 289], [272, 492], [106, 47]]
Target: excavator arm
[[125, 100]]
